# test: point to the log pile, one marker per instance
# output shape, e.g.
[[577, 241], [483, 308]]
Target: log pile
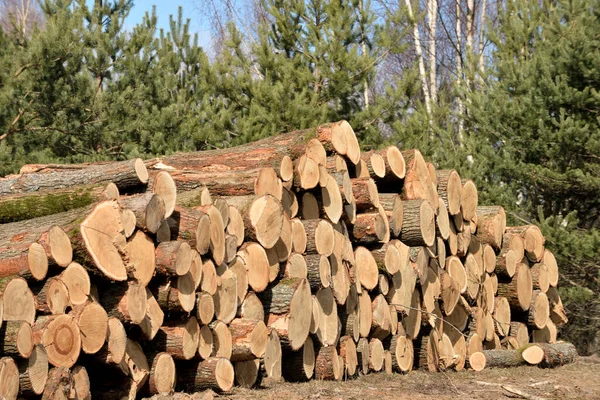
[[296, 257]]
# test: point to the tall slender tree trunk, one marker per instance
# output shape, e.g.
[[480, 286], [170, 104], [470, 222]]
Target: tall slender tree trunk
[[481, 38], [459, 74], [419, 51], [432, 22]]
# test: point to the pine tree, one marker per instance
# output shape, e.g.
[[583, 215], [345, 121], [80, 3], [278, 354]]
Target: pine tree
[[537, 132]]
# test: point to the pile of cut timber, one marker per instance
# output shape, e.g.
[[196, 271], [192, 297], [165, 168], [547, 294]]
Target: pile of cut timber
[[296, 257]]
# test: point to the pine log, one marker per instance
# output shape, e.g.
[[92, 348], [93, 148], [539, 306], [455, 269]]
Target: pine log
[[257, 264], [271, 361], [248, 373], [18, 302], [417, 181], [77, 281], [389, 256], [327, 364], [557, 310], [288, 305], [238, 267], [418, 226], [319, 237], [61, 338], [546, 335], [532, 355], [381, 318], [125, 174], [539, 311], [142, 256], [92, 321], [491, 223], [519, 332], [533, 241], [469, 200], [162, 375], [450, 189], [557, 354], [113, 351], [16, 339], [450, 292], [52, 297], [178, 340], [371, 228], [475, 277], [149, 210], [58, 385], [154, 317], [412, 320], [477, 361], [502, 316], [550, 262], [460, 315], [126, 301], [427, 353], [347, 350], [205, 342], [251, 308], [299, 366], [367, 272], [328, 328], [173, 258], [33, 372], [318, 271], [249, 339], [365, 194], [215, 373], [519, 290], [540, 277], [402, 352], [376, 355], [362, 351], [442, 220]]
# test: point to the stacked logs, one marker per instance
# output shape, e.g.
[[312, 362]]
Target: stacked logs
[[294, 257]]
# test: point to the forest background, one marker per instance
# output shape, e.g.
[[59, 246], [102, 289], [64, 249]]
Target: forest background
[[505, 92]]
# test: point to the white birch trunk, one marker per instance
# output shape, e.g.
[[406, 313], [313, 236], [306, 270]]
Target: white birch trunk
[[432, 22]]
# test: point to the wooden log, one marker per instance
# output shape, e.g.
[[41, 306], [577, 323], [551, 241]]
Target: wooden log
[[367, 272], [540, 277], [450, 292], [299, 366], [331, 199], [417, 181], [299, 239], [350, 323], [539, 311], [327, 364], [362, 351], [257, 264], [381, 318], [450, 189], [173, 258], [310, 206], [249, 339], [418, 226], [288, 305], [459, 318], [18, 302], [142, 256], [214, 373], [248, 373], [402, 352], [519, 291], [59, 384], [162, 375], [469, 200], [347, 350], [392, 204], [318, 271], [92, 320], [546, 335], [126, 301], [412, 320], [113, 351], [319, 237], [557, 354], [427, 352], [365, 194], [216, 233], [557, 310], [154, 317], [262, 216], [178, 340], [533, 241], [475, 277], [52, 297], [491, 223], [61, 338], [251, 308], [550, 262], [33, 372], [502, 316], [77, 281], [225, 299], [328, 328], [442, 221], [389, 256], [205, 342], [376, 355], [370, 228], [148, 208], [210, 279], [271, 361], [125, 174], [16, 339], [531, 355]]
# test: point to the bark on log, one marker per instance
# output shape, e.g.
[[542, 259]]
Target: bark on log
[[532, 355], [418, 226], [16, 339], [557, 354], [249, 339], [299, 366], [519, 290], [178, 340], [327, 364], [450, 189], [125, 174], [533, 241], [33, 372], [162, 377], [215, 373], [417, 181]]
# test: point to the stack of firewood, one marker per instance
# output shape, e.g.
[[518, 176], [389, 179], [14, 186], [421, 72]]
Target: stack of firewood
[[294, 257]]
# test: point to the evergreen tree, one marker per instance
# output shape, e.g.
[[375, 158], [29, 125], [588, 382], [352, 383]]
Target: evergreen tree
[[537, 134]]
